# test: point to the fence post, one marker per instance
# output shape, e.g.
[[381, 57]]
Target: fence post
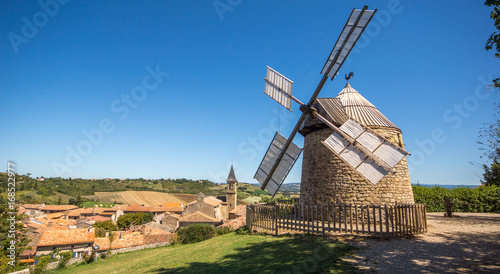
[[425, 218], [277, 217], [386, 221], [248, 217], [323, 218]]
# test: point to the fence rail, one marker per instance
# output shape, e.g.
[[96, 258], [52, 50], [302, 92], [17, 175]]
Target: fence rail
[[381, 220]]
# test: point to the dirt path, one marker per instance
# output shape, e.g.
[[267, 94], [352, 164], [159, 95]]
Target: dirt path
[[466, 243]]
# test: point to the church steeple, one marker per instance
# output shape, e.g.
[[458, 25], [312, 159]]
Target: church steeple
[[232, 185], [231, 177]]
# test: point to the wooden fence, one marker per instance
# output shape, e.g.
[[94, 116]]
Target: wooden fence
[[384, 221]]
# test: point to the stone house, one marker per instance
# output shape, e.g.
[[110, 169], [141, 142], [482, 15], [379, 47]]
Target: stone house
[[209, 206], [78, 241]]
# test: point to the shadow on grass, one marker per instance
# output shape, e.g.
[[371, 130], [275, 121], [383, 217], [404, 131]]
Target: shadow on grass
[[300, 254]]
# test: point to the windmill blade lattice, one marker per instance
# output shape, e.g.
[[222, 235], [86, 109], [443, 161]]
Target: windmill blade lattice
[[279, 88]]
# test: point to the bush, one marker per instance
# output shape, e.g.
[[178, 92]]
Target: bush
[[100, 232], [65, 257], [221, 230], [41, 265], [243, 231], [89, 258], [488, 198], [196, 233], [106, 225]]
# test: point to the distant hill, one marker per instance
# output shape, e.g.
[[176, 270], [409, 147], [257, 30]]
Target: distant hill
[[290, 187], [446, 186]]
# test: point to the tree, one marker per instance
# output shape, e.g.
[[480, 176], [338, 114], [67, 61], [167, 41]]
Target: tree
[[106, 225], [78, 200], [494, 41], [491, 174], [125, 220], [139, 218], [11, 239], [489, 135]]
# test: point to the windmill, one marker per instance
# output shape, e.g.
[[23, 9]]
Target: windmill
[[367, 153]]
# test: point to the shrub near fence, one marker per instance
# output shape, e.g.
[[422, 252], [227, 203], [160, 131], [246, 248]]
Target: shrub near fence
[[488, 198]]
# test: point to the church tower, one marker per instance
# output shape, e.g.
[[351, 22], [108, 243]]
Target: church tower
[[232, 186]]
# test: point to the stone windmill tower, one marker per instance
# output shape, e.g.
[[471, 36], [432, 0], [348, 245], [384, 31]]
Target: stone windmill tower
[[231, 192], [328, 178], [352, 152]]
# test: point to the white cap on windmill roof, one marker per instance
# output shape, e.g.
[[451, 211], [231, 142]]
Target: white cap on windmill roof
[[361, 110]]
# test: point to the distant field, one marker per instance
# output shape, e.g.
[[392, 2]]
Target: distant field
[[64, 198], [252, 199], [98, 204], [186, 198], [148, 198]]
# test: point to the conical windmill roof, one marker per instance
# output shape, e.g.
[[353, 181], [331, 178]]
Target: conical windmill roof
[[360, 109]]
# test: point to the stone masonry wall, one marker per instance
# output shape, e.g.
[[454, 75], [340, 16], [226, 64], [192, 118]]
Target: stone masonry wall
[[327, 179]]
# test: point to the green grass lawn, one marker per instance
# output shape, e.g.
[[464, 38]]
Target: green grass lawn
[[230, 253]]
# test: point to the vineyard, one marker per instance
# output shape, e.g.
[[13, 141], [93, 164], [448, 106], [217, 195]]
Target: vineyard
[[147, 198]]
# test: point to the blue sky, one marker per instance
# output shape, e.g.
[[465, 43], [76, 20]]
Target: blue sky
[[171, 89]]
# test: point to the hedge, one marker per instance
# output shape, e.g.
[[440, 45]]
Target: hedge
[[488, 198], [196, 233]]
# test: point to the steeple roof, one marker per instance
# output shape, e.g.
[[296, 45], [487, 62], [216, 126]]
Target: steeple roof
[[360, 109], [231, 177]]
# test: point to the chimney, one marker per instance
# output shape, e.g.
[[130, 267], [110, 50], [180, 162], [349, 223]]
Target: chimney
[[50, 224], [143, 230], [121, 234]]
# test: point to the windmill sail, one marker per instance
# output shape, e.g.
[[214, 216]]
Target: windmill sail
[[279, 88], [358, 20], [371, 169], [290, 157]]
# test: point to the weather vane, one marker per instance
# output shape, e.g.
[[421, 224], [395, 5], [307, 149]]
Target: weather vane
[[347, 77]]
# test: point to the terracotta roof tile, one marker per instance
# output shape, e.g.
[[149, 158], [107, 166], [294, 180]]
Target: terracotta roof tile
[[65, 237], [98, 218], [212, 201], [198, 217], [239, 210], [172, 204], [127, 239], [32, 206], [116, 207], [58, 207], [86, 211], [146, 209]]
